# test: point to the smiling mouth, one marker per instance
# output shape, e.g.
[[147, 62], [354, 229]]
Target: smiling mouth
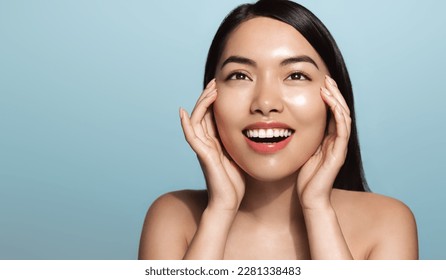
[[268, 136]]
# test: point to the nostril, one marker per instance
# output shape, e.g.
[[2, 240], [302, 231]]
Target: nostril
[[265, 104], [265, 112]]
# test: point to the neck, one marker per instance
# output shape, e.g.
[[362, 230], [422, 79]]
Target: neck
[[273, 202]]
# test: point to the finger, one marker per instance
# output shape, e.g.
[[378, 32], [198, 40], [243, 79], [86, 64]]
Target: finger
[[188, 130], [206, 93], [341, 123], [210, 87], [199, 113], [211, 130], [189, 133], [331, 102], [339, 101], [206, 127], [209, 123], [202, 105], [331, 85], [342, 134], [331, 98], [319, 149]]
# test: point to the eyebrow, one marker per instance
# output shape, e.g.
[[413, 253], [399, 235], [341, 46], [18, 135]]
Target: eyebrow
[[285, 62], [297, 59], [240, 60]]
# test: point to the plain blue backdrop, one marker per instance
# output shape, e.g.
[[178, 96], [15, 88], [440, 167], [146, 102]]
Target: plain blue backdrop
[[89, 127]]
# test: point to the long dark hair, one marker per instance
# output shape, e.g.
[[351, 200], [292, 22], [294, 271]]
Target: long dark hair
[[351, 175]]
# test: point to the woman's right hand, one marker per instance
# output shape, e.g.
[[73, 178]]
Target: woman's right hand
[[225, 181]]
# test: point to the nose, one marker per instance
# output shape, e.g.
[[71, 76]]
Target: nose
[[267, 98]]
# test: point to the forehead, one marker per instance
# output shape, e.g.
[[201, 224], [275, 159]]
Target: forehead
[[265, 39]]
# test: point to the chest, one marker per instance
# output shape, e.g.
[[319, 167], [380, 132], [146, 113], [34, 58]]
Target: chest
[[254, 242]]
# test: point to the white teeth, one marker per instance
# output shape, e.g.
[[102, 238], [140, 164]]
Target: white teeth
[[268, 133]]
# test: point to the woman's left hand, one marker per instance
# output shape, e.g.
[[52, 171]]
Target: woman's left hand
[[317, 175]]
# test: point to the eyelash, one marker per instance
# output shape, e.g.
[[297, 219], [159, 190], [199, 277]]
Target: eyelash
[[233, 76], [301, 75]]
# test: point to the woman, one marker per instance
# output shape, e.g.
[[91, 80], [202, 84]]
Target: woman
[[274, 131]]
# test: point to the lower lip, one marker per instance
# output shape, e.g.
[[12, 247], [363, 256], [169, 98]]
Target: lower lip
[[268, 148]]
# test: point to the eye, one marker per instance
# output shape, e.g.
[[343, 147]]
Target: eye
[[238, 76], [298, 76]]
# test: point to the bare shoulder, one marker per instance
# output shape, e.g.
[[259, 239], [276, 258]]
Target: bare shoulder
[[170, 222], [371, 203], [385, 227], [184, 203]]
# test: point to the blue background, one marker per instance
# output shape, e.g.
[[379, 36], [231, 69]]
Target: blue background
[[89, 129]]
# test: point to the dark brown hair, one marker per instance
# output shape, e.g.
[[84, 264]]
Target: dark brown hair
[[351, 175]]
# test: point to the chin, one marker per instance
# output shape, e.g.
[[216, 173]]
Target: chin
[[268, 173]]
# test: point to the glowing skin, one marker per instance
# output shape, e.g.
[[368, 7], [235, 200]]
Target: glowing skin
[[271, 165], [269, 84], [266, 90]]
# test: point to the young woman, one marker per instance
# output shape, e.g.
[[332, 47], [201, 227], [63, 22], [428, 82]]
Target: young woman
[[274, 131]]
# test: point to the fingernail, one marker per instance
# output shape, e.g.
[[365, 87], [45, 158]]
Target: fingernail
[[181, 113], [211, 83], [331, 81]]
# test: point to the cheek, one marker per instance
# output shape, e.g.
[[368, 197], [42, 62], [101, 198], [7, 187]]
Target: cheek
[[310, 113], [231, 103], [223, 109], [227, 110], [307, 107]]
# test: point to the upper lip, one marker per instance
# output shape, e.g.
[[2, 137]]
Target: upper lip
[[266, 125]]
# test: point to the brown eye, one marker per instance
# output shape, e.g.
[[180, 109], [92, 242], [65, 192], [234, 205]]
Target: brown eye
[[298, 76], [238, 76]]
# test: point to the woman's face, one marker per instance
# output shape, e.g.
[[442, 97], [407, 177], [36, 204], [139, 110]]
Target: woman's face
[[269, 112]]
